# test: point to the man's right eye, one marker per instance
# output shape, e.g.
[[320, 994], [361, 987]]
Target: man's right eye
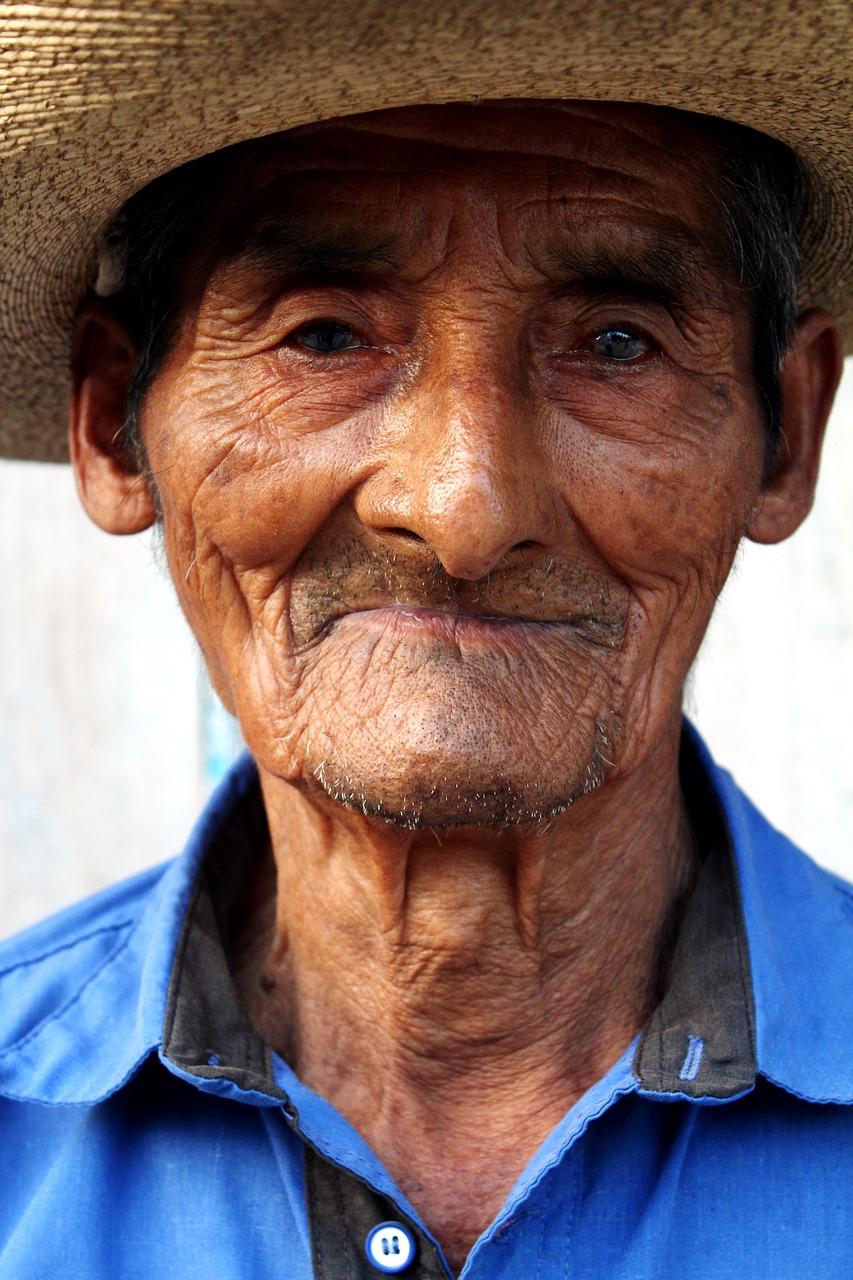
[[325, 337]]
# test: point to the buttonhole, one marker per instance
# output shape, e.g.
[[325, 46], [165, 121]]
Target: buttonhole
[[692, 1059]]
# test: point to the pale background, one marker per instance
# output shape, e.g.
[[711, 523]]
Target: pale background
[[110, 738]]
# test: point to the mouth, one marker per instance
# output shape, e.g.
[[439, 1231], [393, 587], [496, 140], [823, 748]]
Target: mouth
[[454, 627], [351, 587]]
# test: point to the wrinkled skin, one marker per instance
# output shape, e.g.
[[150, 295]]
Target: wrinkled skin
[[454, 452]]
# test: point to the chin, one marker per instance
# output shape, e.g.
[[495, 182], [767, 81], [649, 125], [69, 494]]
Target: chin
[[432, 794]]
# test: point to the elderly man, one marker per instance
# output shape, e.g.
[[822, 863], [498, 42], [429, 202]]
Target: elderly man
[[453, 418]]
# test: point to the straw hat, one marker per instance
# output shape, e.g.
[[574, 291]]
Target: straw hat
[[98, 98]]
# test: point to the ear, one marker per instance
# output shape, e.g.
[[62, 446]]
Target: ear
[[113, 489], [810, 374]]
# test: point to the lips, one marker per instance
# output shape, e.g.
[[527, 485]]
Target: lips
[[441, 624]]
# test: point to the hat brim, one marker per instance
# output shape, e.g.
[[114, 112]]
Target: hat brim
[[100, 98]]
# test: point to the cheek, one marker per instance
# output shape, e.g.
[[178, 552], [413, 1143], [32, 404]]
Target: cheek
[[241, 497], [664, 501], [667, 497], [232, 473]]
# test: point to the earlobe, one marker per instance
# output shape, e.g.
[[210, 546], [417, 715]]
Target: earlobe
[[810, 374], [112, 488]]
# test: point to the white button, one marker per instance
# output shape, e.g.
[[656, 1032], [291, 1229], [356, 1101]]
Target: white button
[[390, 1248]]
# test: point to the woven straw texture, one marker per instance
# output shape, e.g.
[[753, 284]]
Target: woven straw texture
[[97, 99]]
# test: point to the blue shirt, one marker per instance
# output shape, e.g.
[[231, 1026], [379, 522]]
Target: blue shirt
[[146, 1131]]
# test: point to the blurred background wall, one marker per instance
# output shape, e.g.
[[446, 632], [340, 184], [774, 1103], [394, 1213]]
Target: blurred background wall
[[110, 738]]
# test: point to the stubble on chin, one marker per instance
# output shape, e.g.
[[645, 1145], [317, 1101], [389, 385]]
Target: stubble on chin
[[420, 802]]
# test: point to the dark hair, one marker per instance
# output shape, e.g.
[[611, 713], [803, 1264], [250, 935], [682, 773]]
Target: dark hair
[[154, 236], [762, 184], [759, 181]]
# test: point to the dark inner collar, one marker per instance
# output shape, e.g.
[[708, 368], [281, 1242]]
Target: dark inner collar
[[206, 1031], [699, 1042]]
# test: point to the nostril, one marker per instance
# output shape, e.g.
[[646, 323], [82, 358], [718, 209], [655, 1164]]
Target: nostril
[[405, 533]]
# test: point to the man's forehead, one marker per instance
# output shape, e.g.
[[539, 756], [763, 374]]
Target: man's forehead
[[601, 146], [515, 130], [392, 187]]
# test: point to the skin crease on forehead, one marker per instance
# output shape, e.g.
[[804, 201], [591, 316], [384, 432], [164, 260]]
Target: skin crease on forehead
[[454, 452]]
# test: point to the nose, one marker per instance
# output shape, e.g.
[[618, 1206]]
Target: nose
[[463, 472]]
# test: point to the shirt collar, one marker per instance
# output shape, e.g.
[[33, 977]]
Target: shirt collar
[[767, 989], [799, 924], [700, 1041]]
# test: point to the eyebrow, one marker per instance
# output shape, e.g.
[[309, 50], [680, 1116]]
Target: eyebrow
[[670, 265], [673, 266], [279, 247]]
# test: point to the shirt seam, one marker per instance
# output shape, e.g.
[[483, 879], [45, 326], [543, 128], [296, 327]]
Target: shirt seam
[[57, 950], [40, 1100], [570, 1142], [18, 1045], [813, 1099]]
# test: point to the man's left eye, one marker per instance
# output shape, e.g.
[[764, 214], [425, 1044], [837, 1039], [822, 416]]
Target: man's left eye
[[618, 344], [325, 337]]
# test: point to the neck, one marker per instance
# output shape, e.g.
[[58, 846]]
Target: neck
[[455, 993]]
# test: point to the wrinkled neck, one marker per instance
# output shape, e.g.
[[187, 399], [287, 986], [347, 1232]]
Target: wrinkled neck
[[438, 951]]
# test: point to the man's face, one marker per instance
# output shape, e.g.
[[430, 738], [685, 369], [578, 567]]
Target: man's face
[[455, 449]]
